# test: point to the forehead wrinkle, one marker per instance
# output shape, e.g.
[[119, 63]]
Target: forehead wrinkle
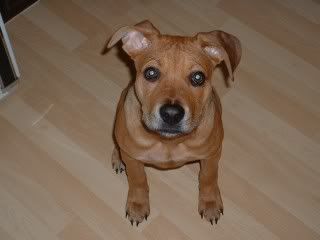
[[152, 59], [195, 56], [180, 57], [176, 61], [146, 59]]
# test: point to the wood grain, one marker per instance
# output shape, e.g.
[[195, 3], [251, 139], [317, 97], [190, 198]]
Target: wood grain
[[56, 180]]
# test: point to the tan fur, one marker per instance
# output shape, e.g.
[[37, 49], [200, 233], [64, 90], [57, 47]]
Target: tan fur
[[176, 57]]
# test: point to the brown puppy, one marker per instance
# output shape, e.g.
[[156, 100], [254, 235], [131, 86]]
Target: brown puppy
[[171, 114]]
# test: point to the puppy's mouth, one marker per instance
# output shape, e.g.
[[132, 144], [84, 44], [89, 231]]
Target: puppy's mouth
[[166, 131], [169, 132]]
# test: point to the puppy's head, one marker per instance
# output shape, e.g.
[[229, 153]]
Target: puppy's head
[[173, 81]]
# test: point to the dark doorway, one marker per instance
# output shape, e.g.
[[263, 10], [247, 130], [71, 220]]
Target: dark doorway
[[10, 8]]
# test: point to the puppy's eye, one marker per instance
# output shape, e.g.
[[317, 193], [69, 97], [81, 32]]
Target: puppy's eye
[[151, 74], [197, 78]]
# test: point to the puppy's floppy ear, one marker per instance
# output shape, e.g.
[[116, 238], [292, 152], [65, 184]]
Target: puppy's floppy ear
[[134, 38], [222, 46]]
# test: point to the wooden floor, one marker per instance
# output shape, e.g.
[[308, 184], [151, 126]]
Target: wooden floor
[[56, 180]]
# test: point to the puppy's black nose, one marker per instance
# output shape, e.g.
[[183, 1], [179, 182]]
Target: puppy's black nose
[[171, 113]]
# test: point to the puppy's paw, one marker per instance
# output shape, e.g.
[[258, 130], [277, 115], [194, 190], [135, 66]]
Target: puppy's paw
[[211, 208], [117, 164], [136, 211]]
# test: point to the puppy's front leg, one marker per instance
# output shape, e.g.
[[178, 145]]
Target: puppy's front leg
[[210, 202], [137, 207]]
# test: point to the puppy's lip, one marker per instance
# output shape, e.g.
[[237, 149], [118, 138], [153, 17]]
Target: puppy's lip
[[166, 131], [169, 132]]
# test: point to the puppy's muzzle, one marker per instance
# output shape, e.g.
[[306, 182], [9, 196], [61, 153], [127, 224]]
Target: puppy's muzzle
[[171, 114], [168, 120], [171, 120]]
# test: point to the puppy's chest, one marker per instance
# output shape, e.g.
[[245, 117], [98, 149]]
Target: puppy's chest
[[160, 153]]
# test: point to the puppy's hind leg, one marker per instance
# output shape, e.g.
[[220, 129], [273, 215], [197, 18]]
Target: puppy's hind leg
[[116, 161]]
